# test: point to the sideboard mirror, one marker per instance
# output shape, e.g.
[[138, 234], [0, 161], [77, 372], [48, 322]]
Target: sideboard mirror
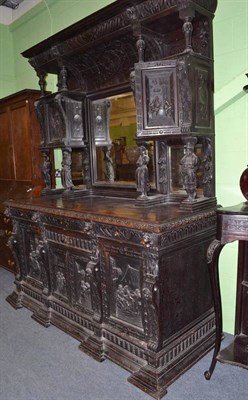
[[115, 147]]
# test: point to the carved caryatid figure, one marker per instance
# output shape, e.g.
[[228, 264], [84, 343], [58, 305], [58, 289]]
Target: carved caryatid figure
[[142, 175], [66, 178], [46, 170], [189, 164]]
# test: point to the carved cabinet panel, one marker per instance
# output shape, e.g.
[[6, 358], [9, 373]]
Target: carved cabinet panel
[[61, 117], [174, 96]]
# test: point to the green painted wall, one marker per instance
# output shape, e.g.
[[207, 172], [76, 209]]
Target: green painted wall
[[7, 70], [231, 119], [231, 103]]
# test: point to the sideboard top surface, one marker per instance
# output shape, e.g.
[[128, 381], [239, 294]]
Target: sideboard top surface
[[119, 212]]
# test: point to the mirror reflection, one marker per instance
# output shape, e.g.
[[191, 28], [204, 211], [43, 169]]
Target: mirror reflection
[[114, 124]]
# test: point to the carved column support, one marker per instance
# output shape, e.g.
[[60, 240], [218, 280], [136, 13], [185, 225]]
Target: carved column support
[[42, 81], [187, 30], [187, 15], [62, 79], [162, 167], [141, 48], [86, 166], [142, 174], [46, 169], [189, 164]]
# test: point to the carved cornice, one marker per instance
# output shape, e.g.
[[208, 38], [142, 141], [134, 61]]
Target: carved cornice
[[119, 18]]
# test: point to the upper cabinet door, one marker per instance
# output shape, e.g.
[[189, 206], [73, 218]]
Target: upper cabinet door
[[174, 97]]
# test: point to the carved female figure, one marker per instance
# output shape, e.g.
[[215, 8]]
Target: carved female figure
[[142, 176], [66, 170]]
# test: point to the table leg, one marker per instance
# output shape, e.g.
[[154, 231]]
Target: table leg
[[213, 267]]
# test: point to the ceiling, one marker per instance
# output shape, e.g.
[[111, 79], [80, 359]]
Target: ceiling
[[11, 10]]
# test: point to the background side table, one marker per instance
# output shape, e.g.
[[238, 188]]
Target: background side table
[[232, 224]]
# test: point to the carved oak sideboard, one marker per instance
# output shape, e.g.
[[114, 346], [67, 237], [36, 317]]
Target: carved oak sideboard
[[115, 255], [132, 288]]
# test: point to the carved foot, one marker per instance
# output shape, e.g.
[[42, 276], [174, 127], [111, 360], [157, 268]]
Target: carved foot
[[15, 300], [207, 375], [42, 316], [149, 381], [93, 346]]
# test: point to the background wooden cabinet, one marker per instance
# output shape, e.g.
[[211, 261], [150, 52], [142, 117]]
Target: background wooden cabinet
[[20, 158]]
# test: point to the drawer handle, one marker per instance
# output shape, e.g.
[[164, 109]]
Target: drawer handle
[[7, 233], [6, 220]]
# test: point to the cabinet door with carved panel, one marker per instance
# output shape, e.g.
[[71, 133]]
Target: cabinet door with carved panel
[[121, 270], [72, 269]]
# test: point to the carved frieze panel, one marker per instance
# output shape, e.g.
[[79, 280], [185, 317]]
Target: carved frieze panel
[[78, 242], [63, 222], [187, 227]]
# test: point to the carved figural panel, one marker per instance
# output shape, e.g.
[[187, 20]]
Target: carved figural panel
[[123, 296], [174, 96]]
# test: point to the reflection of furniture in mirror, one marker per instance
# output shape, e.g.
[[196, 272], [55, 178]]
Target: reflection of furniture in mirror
[[121, 264]]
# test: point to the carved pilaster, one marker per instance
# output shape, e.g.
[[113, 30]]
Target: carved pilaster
[[162, 167], [86, 166], [207, 163], [150, 296]]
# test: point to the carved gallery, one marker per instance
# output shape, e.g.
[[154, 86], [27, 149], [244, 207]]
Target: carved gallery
[[110, 227]]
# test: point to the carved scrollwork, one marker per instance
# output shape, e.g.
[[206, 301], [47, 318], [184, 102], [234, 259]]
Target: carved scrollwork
[[215, 246]]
